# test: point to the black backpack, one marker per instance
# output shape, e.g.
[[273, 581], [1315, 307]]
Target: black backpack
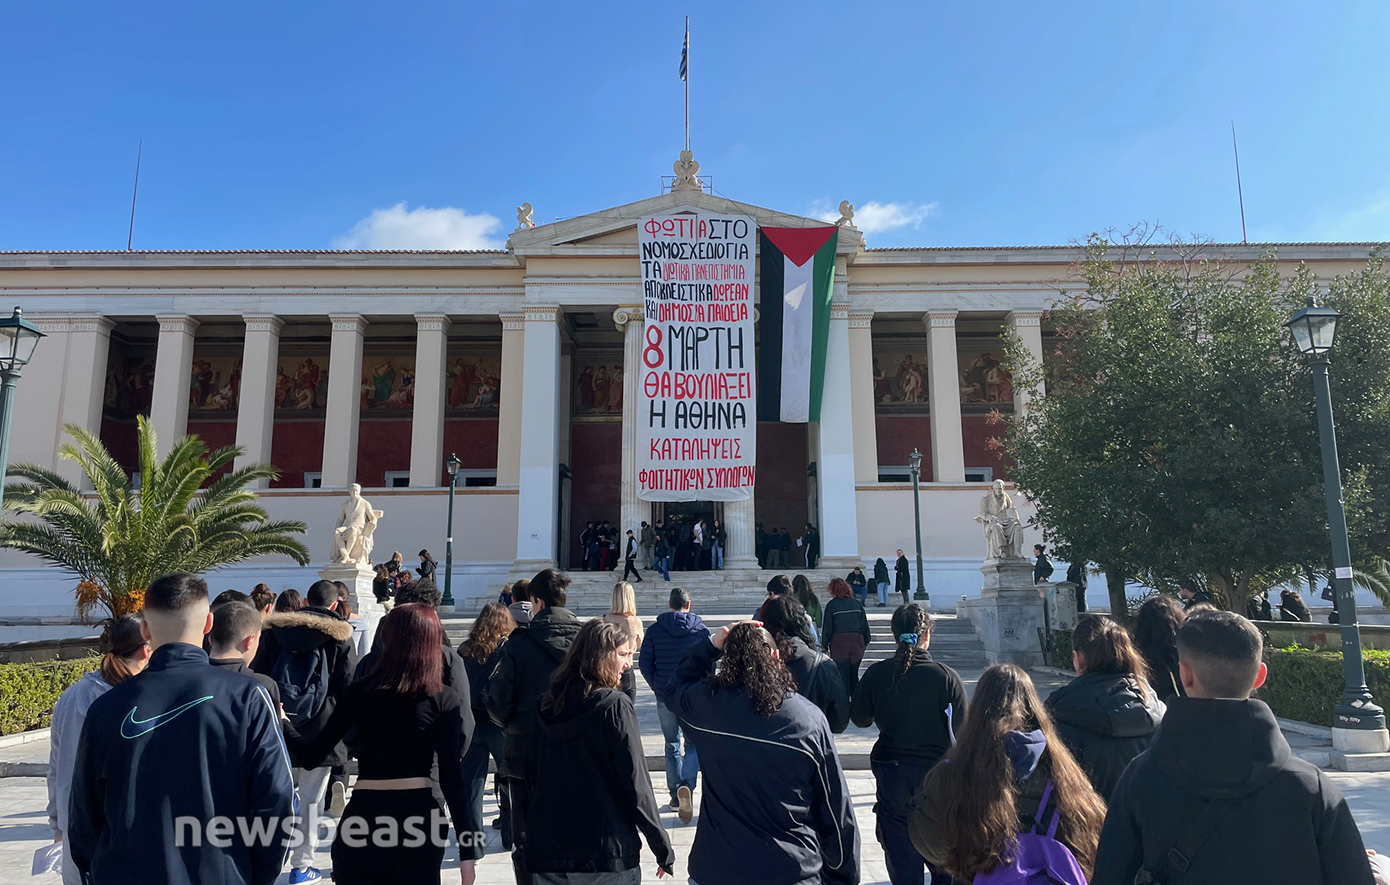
[[303, 678]]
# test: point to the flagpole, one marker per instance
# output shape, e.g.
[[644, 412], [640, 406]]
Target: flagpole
[[687, 82]]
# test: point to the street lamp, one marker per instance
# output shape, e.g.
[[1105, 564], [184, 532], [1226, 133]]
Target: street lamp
[[452, 466], [1356, 719], [18, 338], [914, 463]]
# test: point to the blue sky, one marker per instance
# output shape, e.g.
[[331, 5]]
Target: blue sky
[[309, 125]]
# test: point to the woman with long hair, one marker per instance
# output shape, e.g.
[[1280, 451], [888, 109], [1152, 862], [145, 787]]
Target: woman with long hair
[[1155, 633], [794, 826], [1108, 713], [589, 798], [1007, 769], [289, 600], [918, 706], [622, 611], [816, 676], [127, 653], [801, 589], [844, 632], [404, 719], [1291, 606], [480, 652]]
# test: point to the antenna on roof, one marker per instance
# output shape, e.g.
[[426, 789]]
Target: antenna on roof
[[1239, 193], [130, 234]]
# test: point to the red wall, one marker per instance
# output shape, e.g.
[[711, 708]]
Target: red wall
[[595, 478], [897, 434], [296, 447], [121, 439], [216, 434], [474, 440], [780, 492], [976, 433], [382, 445]]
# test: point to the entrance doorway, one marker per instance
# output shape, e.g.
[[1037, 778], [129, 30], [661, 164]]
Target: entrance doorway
[[679, 518]]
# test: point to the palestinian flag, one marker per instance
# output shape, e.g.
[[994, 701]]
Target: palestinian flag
[[796, 279]]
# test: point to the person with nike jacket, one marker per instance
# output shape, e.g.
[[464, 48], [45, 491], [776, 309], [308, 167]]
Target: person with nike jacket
[[164, 755], [528, 660]]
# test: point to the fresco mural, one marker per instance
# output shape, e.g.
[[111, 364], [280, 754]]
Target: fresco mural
[[598, 386], [129, 384], [473, 383], [983, 378], [388, 383], [301, 383], [215, 383], [900, 381]]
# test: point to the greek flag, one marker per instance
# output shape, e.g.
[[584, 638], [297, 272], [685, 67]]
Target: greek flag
[[685, 52]]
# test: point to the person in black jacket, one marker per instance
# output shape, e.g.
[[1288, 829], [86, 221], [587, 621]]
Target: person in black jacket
[[1257, 607], [292, 640], [776, 809], [523, 672], [1219, 774], [1107, 715], [817, 677], [427, 566], [1042, 566], [233, 641], [405, 722], [181, 743], [1192, 594], [845, 631], [1291, 607], [858, 584], [1076, 574], [1155, 631], [663, 647], [589, 797], [480, 653], [881, 581], [918, 706], [904, 576]]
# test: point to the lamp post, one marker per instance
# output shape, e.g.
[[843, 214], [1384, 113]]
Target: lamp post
[[914, 462], [18, 338], [452, 466], [1358, 724]]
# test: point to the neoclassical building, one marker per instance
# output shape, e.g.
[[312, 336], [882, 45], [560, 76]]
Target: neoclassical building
[[374, 367]]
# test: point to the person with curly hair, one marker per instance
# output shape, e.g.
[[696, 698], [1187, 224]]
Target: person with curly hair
[[1155, 633], [775, 806], [1006, 773], [480, 653]]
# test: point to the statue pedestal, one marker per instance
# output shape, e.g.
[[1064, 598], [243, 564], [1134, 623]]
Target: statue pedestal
[[1009, 612], [358, 579]]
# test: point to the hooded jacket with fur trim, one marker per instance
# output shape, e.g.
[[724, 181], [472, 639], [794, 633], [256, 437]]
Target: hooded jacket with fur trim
[[303, 631]]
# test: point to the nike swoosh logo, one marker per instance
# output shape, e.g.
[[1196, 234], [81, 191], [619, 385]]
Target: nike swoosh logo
[[149, 725]]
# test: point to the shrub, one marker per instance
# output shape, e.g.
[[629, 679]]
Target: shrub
[[1306, 684], [29, 691], [1060, 656]]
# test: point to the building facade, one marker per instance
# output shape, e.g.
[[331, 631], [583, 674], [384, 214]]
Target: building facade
[[374, 367]]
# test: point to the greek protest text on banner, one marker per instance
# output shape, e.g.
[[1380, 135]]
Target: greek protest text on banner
[[697, 400]]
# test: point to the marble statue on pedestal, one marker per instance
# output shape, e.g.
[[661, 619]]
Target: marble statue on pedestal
[[1003, 528], [352, 537]]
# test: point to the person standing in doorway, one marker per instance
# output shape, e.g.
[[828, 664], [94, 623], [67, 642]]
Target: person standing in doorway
[[904, 574], [684, 533], [630, 559], [648, 541], [717, 538], [585, 537], [811, 540], [697, 545]]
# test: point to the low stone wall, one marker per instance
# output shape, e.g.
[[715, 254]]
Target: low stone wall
[[1283, 634], [34, 650]]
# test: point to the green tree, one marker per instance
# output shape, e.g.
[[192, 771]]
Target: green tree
[[1178, 437], [117, 538]]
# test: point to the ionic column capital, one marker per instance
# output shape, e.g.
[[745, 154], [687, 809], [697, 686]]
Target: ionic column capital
[[541, 313], [178, 323], [263, 323], [349, 322], [860, 318], [1017, 318], [627, 314], [513, 322], [433, 322], [940, 319]]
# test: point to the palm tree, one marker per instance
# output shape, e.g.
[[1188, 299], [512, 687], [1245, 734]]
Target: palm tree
[[117, 538]]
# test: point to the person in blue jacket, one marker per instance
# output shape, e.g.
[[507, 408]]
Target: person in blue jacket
[[663, 646], [776, 810], [164, 756]]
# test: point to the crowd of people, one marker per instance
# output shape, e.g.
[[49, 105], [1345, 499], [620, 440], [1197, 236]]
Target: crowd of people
[[680, 544], [205, 746]]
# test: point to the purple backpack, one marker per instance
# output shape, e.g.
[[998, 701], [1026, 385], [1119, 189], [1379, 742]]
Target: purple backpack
[[1039, 859]]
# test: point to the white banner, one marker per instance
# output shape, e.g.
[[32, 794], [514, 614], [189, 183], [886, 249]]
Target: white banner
[[697, 414]]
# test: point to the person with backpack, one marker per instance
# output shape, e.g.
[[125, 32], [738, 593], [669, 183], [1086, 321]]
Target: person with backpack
[[845, 631], [528, 660], [128, 651], [1108, 714], [1220, 774], [1008, 804], [919, 707], [816, 676], [180, 743], [776, 808], [312, 659], [404, 721], [588, 747], [673, 634]]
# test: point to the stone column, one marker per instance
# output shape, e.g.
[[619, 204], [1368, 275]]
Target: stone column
[[1027, 325], [255, 415], [539, 492], [173, 369], [740, 551], [427, 420], [629, 320], [943, 390], [340, 423], [84, 381], [839, 524], [861, 392], [509, 399]]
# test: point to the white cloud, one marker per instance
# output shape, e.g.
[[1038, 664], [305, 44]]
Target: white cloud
[[422, 228], [875, 218]]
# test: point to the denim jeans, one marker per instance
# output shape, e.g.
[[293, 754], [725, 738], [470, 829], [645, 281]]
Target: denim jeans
[[663, 565], [679, 771], [717, 555], [861, 593], [882, 592]]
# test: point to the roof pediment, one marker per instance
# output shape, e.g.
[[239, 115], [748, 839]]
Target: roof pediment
[[613, 232]]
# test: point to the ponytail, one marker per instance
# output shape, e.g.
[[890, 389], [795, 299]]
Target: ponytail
[[910, 623], [1106, 649], [123, 641]]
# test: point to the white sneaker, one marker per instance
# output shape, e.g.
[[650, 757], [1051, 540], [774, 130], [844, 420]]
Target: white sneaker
[[338, 802], [686, 809]]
